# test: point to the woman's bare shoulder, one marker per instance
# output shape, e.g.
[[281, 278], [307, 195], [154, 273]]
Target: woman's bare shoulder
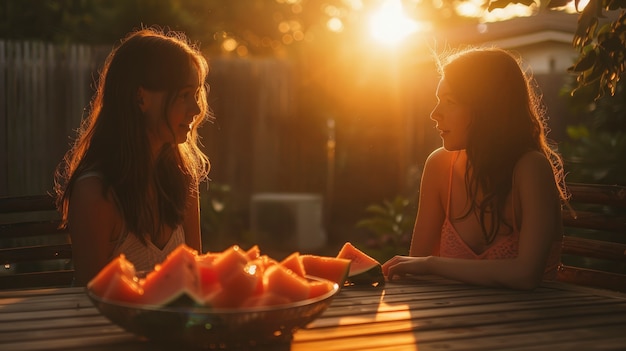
[[440, 155], [440, 159]]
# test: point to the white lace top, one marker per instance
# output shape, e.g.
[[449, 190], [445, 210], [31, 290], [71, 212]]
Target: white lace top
[[145, 257]]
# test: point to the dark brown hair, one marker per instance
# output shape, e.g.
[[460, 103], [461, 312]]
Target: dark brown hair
[[113, 139], [507, 121]]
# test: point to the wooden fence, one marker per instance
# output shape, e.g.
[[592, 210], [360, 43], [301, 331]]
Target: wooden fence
[[44, 90]]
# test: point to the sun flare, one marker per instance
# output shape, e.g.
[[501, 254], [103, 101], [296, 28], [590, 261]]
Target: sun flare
[[389, 24]]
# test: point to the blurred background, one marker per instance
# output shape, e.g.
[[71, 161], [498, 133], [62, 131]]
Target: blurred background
[[321, 107]]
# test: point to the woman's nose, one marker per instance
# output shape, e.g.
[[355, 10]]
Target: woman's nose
[[434, 114]]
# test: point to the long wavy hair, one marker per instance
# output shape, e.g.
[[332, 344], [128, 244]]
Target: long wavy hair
[[508, 120], [113, 139]]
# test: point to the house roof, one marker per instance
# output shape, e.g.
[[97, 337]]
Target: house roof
[[546, 26]]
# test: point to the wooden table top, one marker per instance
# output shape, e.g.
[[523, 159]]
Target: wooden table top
[[421, 314]]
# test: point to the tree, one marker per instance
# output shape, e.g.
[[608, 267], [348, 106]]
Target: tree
[[602, 59]]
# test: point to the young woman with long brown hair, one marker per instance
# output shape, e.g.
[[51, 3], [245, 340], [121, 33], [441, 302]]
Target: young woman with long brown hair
[[129, 184], [490, 198]]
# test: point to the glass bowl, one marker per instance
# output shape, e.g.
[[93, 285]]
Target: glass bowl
[[206, 327]]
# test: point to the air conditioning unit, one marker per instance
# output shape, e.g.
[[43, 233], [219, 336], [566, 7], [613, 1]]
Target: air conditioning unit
[[287, 221]]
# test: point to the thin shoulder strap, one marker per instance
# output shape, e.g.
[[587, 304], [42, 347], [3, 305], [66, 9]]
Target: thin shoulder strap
[[452, 162]]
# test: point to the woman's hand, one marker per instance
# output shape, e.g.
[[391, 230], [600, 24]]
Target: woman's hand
[[405, 265]]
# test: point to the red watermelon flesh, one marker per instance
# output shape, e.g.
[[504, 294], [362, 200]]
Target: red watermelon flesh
[[253, 253], [335, 269], [294, 263], [282, 281], [239, 278], [319, 287], [116, 268], [209, 282], [176, 276], [364, 269], [125, 289]]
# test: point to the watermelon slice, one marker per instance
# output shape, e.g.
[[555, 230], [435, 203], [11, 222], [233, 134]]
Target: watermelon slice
[[335, 269], [117, 268], [282, 281], [294, 263], [175, 277], [364, 269]]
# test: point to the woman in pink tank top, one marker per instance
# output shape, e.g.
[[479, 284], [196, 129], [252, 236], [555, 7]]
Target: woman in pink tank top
[[490, 198], [129, 185]]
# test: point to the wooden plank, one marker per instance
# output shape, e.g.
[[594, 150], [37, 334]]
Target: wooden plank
[[53, 278], [27, 203], [44, 303], [84, 318], [35, 253], [594, 220], [594, 248], [592, 278], [44, 334], [99, 342], [40, 292], [613, 195]]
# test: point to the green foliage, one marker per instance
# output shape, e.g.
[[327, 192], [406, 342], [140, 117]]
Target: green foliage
[[595, 156], [600, 40], [391, 223], [602, 46], [596, 149]]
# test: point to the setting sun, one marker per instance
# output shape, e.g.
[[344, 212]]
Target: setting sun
[[389, 24]]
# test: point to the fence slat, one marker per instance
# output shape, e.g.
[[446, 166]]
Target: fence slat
[[45, 89]]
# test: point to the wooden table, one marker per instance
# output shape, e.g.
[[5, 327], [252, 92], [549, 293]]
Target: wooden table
[[426, 313]]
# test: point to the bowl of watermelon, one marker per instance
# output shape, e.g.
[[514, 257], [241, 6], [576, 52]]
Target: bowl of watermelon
[[233, 298]]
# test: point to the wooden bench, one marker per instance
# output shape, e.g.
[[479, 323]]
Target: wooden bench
[[34, 252], [594, 245]]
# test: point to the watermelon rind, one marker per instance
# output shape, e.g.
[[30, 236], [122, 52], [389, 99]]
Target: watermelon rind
[[364, 269], [372, 277]]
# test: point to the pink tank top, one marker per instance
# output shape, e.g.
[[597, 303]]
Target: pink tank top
[[453, 246]]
